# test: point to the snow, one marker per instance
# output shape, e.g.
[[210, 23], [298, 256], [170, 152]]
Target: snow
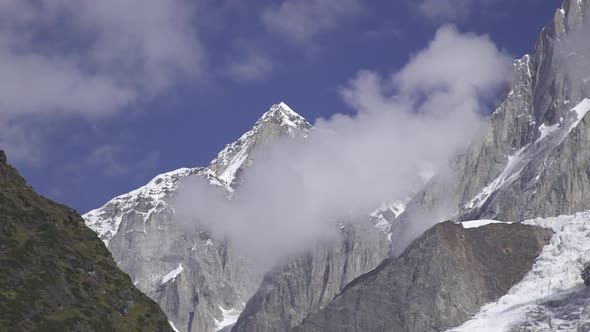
[[288, 110], [555, 275], [173, 327], [229, 173], [229, 317], [551, 137], [511, 172], [233, 156], [581, 109], [546, 130], [381, 219], [172, 274], [106, 220], [479, 223]]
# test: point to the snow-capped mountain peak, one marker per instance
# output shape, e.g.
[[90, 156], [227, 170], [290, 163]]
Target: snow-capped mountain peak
[[280, 120], [137, 229]]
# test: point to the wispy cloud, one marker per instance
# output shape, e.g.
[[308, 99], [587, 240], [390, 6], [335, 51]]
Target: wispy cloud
[[445, 9], [91, 58], [449, 10], [249, 65], [302, 20]]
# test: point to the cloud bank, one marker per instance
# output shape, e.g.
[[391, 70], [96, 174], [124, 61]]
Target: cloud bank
[[296, 191]]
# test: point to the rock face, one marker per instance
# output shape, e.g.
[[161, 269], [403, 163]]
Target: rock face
[[308, 283], [442, 279], [532, 158], [56, 275], [201, 284]]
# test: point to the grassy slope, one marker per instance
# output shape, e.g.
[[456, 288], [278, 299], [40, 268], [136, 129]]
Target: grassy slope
[[56, 275]]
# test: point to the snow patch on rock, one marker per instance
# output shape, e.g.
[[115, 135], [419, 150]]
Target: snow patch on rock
[[479, 223], [171, 276], [553, 284], [229, 317]]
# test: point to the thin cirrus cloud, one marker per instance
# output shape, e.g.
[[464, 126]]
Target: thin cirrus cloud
[[90, 58], [302, 20]]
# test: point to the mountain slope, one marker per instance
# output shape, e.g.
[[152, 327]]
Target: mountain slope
[[439, 281], [309, 282], [211, 280], [533, 156], [552, 296], [56, 275], [532, 160]]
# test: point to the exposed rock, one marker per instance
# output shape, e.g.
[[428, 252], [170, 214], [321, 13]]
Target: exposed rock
[[310, 282], [442, 279], [533, 156], [143, 233], [56, 275], [586, 275]]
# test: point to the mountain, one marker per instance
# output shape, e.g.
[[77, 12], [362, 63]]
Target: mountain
[[442, 279], [529, 166], [527, 169], [56, 275], [309, 282], [533, 156], [202, 284]]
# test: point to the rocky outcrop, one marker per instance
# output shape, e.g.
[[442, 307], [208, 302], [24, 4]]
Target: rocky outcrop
[[439, 281], [55, 273], [308, 283], [533, 156]]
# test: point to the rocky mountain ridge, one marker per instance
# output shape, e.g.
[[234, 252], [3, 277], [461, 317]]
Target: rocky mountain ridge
[[532, 143], [208, 281], [440, 281]]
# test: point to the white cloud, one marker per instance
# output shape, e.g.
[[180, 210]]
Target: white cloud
[[249, 67], [302, 20], [449, 10], [295, 191], [91, 58]]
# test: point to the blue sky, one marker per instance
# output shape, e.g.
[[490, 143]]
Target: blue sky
[[102, 96]]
